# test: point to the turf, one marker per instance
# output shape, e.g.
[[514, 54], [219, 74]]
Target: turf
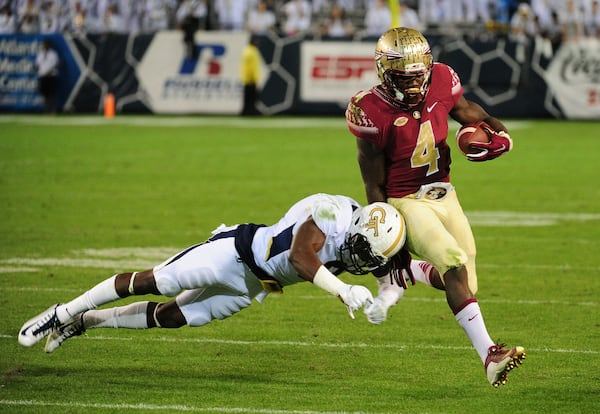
[[83, 197]]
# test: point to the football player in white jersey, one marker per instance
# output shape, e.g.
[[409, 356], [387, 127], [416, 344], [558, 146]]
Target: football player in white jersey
[[318, 238]]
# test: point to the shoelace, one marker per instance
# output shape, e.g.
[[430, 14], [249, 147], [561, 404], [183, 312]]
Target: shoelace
[[46, 323]]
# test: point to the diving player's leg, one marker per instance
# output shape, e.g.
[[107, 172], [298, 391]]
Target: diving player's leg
[[195, 307], [138, 315], [116, 287]]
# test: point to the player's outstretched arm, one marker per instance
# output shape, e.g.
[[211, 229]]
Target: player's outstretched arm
[[303, 256]]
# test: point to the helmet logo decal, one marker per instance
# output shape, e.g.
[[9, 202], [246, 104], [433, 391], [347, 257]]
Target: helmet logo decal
[[376, 233], [375, 220], [390, 54]]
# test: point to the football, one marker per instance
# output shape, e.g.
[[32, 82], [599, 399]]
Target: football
[[469, 134]]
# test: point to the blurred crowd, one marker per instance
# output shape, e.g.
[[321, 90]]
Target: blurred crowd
[[558, 20]]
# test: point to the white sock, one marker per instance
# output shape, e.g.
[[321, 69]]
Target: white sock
[[421, 271], [103, 292], [131, 316], [471, 320]]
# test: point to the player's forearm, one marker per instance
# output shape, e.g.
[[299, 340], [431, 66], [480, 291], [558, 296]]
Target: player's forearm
[[305, 262], [495, 123], [373, 176], [374, 193]]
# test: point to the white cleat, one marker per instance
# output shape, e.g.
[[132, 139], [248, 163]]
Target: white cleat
[[37, 328], [63, 332]]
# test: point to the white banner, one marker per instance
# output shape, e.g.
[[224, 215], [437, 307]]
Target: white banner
[[573, 76], [335, 71], [207, 83]]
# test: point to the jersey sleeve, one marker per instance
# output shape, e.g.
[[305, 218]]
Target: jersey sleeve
[[325, 215], [359, 122], [451, 80], [332, 215]]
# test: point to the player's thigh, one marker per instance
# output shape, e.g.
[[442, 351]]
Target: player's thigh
[[203, 265], [458, 225], [200, 306], [427, 235]]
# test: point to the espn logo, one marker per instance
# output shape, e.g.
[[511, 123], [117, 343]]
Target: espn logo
[[341, 67]]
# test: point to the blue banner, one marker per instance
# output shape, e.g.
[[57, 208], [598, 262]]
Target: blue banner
[[18, 78]]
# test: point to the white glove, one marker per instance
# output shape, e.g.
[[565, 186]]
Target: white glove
[[355, 297], [389, 295], [376, 312]]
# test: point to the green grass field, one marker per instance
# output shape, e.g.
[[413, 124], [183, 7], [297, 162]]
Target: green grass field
[[82, 198]]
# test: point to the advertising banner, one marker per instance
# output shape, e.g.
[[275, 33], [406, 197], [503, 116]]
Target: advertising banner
[[334, 71], [206, 82], [18, 78], [573, 76]]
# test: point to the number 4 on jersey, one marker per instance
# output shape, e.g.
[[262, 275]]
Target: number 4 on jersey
[[425, 152]]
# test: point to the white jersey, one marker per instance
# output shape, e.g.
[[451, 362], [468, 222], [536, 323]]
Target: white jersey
[[271, 245]]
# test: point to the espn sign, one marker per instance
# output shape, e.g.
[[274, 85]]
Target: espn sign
[[334, 71], [341, 67]]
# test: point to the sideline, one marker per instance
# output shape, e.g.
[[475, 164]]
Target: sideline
[[297, 121]]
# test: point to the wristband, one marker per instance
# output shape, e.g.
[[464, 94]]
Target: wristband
[[328, 281]]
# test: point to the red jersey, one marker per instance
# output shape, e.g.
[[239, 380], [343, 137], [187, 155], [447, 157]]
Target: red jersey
[[414, 141]]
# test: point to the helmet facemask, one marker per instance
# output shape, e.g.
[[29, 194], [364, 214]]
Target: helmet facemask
[[407, 90], [404, 62], [358, 257], [377, 232]]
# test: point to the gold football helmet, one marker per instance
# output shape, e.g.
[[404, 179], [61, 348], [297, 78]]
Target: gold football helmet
[[404, 62]]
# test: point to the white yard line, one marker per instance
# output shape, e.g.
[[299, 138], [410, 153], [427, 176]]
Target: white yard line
[[161, 408], [301, 344]]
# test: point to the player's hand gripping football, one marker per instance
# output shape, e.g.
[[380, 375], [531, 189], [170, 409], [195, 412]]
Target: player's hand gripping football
[[500, 143], [355, 297]]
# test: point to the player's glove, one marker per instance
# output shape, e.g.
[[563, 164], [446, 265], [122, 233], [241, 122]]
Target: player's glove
[[389, 294], [500, 142], [376, 312], [355, 297]]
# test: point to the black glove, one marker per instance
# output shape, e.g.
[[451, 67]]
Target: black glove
[[399, 269]]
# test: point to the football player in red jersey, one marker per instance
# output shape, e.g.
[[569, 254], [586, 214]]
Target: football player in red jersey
[[401, 126]]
